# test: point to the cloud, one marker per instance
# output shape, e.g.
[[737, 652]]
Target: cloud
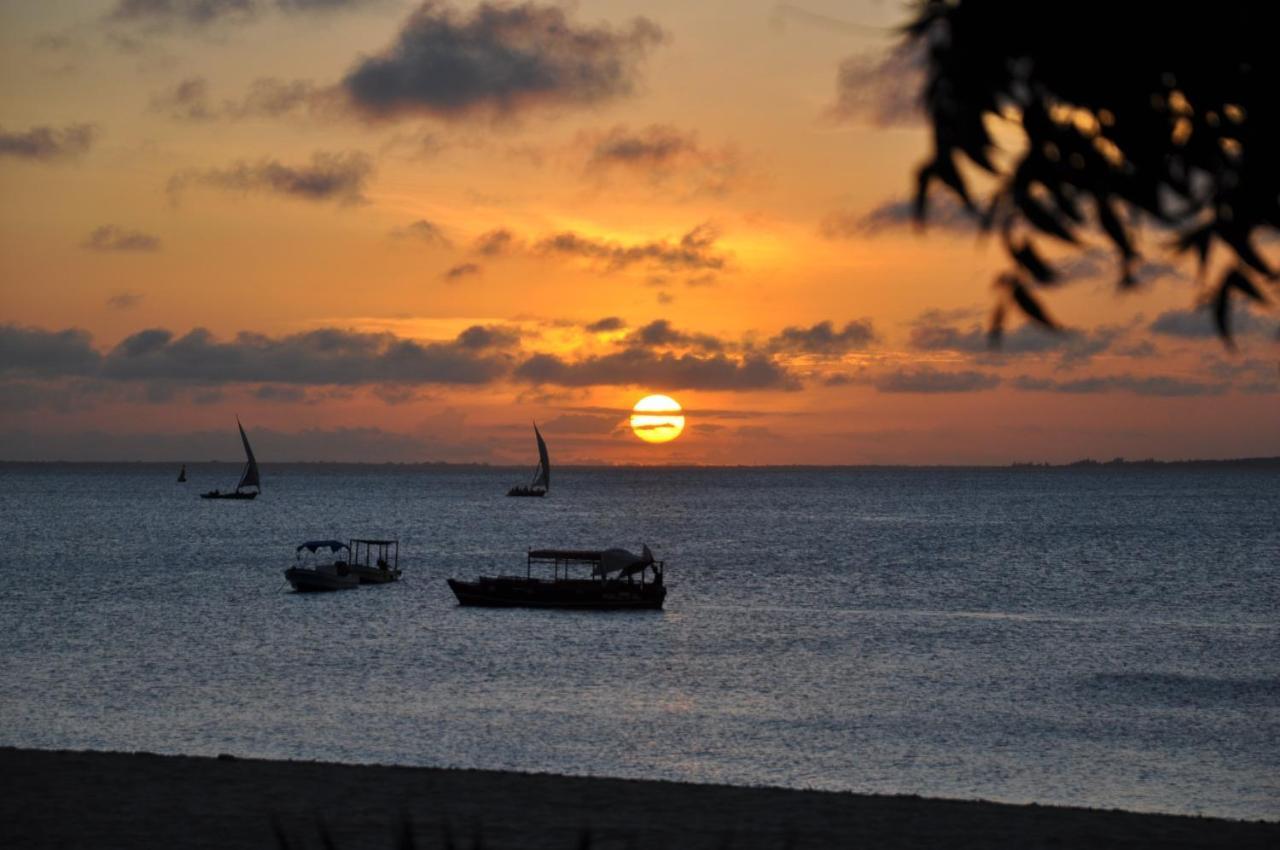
[[1198, 324], [945, 214], [124, 300], [340, 177], [458, 272], [609, 323], [659, 153], [46, 143], [695, 251], [932, 331], [641, 367], [660, 334], [1143, 385], [495, 243], [497, 60], [881, 89], [109, 237], [328, 356], [479, 337], [204, 13], [824, 339], [925, 379], [423, 231], [267, 97], [583, 423]]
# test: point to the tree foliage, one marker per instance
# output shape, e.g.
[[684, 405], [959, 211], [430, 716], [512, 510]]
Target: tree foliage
[[1132, 110]]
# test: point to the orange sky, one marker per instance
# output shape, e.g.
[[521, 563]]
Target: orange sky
[[382, 230]]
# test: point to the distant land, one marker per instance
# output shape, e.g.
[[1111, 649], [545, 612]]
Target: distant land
[[1084, 463]]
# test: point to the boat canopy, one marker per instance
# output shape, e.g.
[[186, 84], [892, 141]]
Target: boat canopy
[[374, 542], [603, 562], [313, 545]]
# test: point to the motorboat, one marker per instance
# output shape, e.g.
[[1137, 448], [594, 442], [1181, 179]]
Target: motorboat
[[609, 579], [312, 574]]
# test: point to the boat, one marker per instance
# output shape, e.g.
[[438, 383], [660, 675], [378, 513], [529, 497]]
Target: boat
[[182, 474], [248, 478], [541, 482], [383, 569], [308, 576], [612, 579]]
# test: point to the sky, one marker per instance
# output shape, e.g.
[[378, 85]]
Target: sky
[[380, 231]]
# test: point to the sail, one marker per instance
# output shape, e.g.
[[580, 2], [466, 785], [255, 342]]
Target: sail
[[250, 476], [542, 478]]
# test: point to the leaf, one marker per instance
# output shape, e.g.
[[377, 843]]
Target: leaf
[[1198, 239], [1028, 304], [1114, 228], [1240, 243], [1222, 313], [1025, 255], [920, 203], [995, 330], [1237, 279]]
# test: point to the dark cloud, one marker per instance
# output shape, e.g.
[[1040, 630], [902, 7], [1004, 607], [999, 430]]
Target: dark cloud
[[37, 352], [660, 334], [109, 237], [695, 251], [1144, 385], [124, 300], [495, 243], [202, 13], [933, 332], [925, 379], [824, 339], [609, 323], [1198, 324], [497, 60], [458, 272], [322, 357], [492, 336], [881, 89], [945, 214], [48, 143], [340, 177], [423, 231], [659, 153], [642, 367]]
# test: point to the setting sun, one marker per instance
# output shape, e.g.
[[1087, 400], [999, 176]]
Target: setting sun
[[657, 419]]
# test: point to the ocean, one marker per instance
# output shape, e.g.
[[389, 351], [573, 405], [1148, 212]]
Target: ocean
[[1102, 637]]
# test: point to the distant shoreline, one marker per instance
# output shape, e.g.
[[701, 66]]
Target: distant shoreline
[[1084, 463], [138, 800]]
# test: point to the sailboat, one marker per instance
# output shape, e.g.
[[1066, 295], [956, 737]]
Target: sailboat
[[541, 482], [248, 478], [182, 474]]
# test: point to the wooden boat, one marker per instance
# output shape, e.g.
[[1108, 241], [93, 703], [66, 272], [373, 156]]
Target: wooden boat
[[541, 482], [182, 474], [383, 569], [248, 478], [312, 577], [612, 579]]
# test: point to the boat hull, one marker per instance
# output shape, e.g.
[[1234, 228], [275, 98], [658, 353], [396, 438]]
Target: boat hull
[[525, 491], [581, 595], [314, 581], [375, 575], [232, 495]]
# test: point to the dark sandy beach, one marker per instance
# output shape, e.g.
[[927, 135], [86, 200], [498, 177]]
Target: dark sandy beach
[[118, 800]]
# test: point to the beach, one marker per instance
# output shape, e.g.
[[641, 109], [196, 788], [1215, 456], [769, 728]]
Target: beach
[[138, 800]]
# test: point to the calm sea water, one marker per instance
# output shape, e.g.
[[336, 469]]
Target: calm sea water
[[1090, 637]]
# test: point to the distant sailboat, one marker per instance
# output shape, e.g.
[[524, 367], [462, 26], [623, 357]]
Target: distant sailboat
[[541, 482], [182, 474], [248, 478]]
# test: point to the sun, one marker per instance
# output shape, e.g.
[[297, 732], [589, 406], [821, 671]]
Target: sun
[[657, 419]]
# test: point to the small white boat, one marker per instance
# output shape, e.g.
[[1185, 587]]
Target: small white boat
[[309, 576]]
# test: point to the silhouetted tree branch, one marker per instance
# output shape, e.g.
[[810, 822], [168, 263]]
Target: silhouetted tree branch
[[1130, 109]]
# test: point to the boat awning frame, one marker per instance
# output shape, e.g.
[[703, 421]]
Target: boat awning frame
[[313, 546]]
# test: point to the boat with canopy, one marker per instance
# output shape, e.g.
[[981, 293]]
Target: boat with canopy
[[248, 477], [370, 569], [609, 579], [541, 482], [311, 574]]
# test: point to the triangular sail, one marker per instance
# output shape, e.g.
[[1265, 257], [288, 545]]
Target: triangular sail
[[542, 478], [250, 476]]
